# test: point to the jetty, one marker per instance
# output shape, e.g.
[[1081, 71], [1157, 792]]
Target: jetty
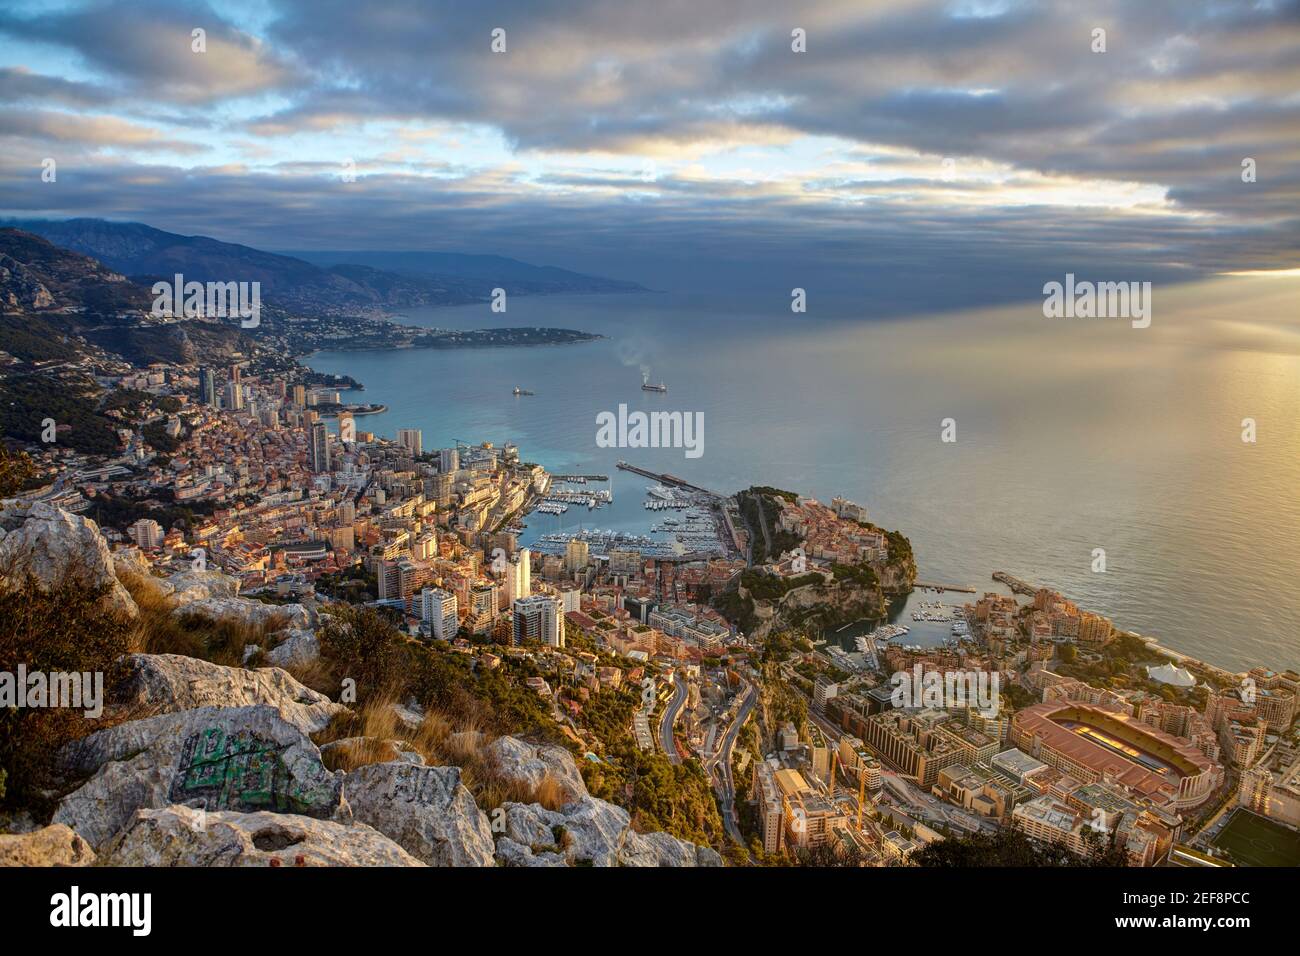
[[1013, 582], [931, 586], [671, 481]]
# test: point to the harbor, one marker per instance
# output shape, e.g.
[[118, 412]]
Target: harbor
[[687, 522]]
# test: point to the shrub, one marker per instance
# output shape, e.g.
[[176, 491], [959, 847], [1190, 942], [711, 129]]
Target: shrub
[[65, 629]]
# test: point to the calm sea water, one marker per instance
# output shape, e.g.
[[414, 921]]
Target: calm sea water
[[1072, 435]]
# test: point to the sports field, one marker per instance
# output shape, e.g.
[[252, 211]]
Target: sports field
[[1252, 840]]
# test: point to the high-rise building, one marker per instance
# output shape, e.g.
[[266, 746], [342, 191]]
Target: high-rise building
[[438, 607], [208, 387], [576, 556], [300, 395], [624, 561], [146, 533], [438, 489], [538, 618], [320, 448], [519, 576], [448, 460], [482, 608], [234, 395], [426, 546], [412, 440]]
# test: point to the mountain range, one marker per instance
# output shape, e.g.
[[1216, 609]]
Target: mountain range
[[326, 282]]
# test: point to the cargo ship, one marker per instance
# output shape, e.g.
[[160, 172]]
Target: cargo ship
[[649, 386], [522, 391]]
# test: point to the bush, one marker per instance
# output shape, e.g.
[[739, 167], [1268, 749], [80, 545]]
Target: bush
[[67, 629]]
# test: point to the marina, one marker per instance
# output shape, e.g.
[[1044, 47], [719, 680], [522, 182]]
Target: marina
[[692, 530], [934, 612]]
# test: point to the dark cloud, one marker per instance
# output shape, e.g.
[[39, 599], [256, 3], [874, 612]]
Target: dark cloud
[[1184, 92]]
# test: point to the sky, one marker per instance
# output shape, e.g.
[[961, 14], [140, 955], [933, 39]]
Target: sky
[[921, 154]]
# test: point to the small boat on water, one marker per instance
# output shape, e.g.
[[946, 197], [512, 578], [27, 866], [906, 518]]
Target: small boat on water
[[649, 386], [522, 391]]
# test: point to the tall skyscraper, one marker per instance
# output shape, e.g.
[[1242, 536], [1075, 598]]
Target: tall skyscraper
[[519, 576], [320, 448], [411, 439], [300, 395], [438, 607], [234, 395], [538, 618], [448, 460], [347, 427], [208, 387]]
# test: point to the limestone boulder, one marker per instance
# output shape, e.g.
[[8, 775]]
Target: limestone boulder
[[245, 759], [52, 544], [589, 832], [425, 810], [184, 836], [191, 586], [249, 612], [55, 845], [299, 647], [528, 764], [167, 683]]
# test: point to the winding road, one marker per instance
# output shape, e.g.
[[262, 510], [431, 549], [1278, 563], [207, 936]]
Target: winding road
[[669, 719], [719, 765]]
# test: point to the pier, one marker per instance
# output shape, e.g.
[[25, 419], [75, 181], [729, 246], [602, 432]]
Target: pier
[[931, 586], [666, 479], [580, 479], [1013, 582]]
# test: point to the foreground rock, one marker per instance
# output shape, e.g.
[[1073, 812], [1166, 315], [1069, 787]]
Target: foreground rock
[[181, 836], [528, 765], [220, 758], [190, 586], [167, 683], [426, 810], [590, 832], [50, 544], [55, 845], [299, 647], [250, 613]]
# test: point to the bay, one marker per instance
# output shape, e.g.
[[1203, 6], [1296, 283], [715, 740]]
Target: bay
[[1071, 435]]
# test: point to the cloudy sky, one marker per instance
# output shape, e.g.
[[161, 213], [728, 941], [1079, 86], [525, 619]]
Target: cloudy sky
[[977, 145]]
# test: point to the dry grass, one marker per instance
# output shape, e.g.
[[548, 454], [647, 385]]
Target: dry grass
[[160, 630], [442, 741], [317, 675]]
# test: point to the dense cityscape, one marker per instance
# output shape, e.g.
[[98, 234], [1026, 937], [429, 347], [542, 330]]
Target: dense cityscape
[[713, 650], [831, 454]]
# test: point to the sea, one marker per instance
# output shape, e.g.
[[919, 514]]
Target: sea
[[1151, 475]]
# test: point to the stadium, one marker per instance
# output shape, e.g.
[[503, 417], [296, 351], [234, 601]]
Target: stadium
[[1092, 744]]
